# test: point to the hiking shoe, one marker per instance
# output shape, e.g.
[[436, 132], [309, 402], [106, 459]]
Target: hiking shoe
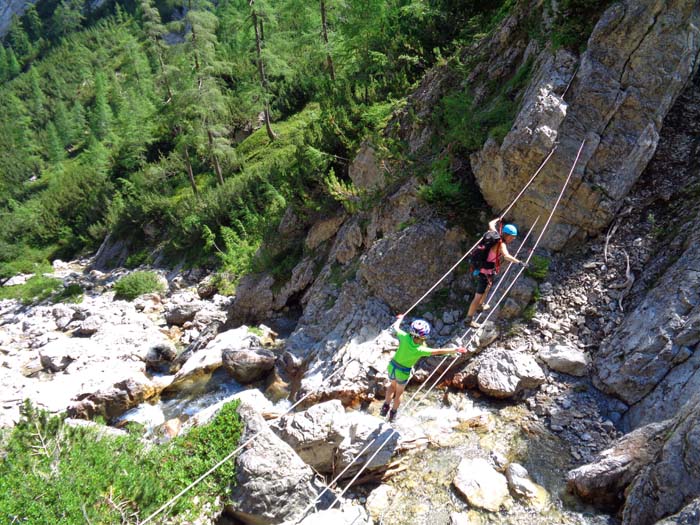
[[392, 415], [474, 324], [384, 409], [485, 307]]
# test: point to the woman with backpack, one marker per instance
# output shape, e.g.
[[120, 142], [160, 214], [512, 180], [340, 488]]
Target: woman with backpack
[[486, 261]]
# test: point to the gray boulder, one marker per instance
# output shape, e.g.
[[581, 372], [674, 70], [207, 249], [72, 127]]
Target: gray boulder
[[315, 434], [504, 373], [247, 365], [604, 481], [272, 483], [566, 359], [480, 484], [364, 429], [179, 313], [160, 358]]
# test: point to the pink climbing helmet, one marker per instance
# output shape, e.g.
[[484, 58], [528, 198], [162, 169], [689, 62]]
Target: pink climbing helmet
[[419, 328]]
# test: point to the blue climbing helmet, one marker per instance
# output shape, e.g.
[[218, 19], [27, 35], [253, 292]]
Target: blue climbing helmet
[[419, 328], [510, 229]]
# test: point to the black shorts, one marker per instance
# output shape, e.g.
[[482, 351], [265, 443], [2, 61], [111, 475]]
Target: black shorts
[[483, 281]]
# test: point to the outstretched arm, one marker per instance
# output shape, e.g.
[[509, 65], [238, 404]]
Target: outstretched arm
[[493, 225], [443, 351], [507, 256], [397, 323]]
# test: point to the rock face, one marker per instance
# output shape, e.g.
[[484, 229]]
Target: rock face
[[633, 69], [272, 483], [656, 467], [688, 516], [8, 9], [390, 266], [480, 484], [603, 482], [673, 478], [651, 361]]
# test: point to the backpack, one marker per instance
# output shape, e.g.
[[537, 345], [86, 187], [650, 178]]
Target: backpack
[[481, 252]]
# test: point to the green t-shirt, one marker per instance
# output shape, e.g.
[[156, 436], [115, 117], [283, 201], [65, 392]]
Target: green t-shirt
[[409, 352]]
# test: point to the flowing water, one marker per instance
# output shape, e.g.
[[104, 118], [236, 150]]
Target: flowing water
[[186, 402], [425, 494]]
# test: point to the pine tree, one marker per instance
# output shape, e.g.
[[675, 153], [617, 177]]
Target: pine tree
[[155, 30], [78, 123], [257, 21], [54, 148], [4, 68], [18, 39], [324, 33], [62, 124], [32, 23], [37, 99], [13, 67], [101, 114], [67, 17]]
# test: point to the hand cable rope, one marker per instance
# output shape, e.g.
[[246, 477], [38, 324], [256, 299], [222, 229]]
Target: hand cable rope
[[366, 464], [228, 457], [252, 438], [508, 208]]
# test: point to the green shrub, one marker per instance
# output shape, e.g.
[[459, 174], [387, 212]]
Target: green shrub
[[443, 190], [538, 267], [73, 293], [52, 473], [35, 290], [574, 22], [131, 286]]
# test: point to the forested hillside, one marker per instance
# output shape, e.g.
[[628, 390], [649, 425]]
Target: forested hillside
[[135, 118], [130, 119]]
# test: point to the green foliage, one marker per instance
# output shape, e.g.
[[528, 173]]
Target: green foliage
[[255, 330], [35, 290], [73, 293], [52, 473], [109, 130], [529, 312], [538, 267], [574, 22], [468, 127], [131, 286], [443, 189], [139, 258]]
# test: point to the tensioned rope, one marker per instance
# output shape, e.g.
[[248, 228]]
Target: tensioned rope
[[478, 318], [372, 442], [508, 208], [228, 457], [252, 438], [366, 464]]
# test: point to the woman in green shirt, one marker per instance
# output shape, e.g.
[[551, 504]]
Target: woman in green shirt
[[411, 349]]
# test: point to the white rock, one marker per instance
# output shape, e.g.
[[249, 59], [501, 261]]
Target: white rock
[[566, 359], [480, 484]]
